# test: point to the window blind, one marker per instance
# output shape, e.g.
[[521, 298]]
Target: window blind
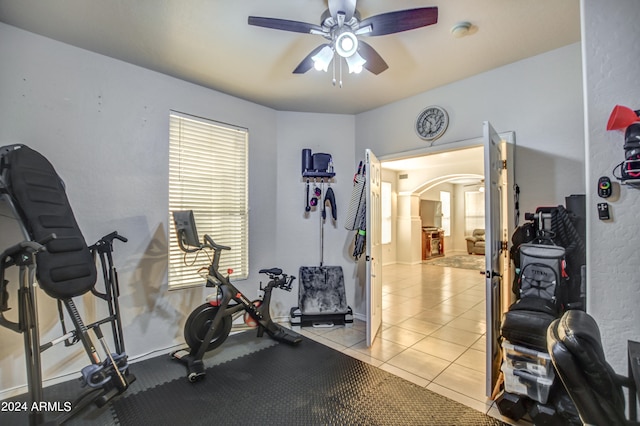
[[208, 174], [473, 212]]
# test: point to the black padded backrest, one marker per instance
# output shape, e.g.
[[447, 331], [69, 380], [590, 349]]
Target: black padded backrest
[[576, 351], [67, 268]]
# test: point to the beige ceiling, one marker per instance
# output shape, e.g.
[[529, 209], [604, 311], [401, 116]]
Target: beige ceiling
[[208, 42]]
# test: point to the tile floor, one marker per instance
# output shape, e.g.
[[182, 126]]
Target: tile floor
[[432, 334]]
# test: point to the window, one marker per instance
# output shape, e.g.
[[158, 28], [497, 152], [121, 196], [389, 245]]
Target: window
[[445, 199], [208, 174], [473, 211], [385, 194]]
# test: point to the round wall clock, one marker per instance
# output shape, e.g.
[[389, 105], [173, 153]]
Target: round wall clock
[[432, 123]]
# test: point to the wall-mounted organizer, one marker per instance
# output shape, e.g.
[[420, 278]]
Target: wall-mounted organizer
[[630, 169], [317, 165], [322, 298], [623, 118], [317, 169]]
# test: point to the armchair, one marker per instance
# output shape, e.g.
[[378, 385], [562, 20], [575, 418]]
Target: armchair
[[576, 351], [476, 243]]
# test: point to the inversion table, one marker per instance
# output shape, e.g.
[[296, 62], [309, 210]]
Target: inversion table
[[56, 257]]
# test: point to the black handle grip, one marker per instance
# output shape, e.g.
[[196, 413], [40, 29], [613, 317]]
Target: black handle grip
[[114, 236], [46, 240], [25, 246]]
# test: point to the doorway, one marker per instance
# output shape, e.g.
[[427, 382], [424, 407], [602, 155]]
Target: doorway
[[435, 306], [419, 179], [499, 224]]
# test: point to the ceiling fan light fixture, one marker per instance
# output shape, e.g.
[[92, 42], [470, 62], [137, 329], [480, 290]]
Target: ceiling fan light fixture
[[355, 63], [322, 59], [346, 44]]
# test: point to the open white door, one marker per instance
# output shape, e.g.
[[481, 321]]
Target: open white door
[[495, 157], [373, 246]]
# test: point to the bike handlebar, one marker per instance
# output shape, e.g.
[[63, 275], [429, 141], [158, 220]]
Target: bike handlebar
[[284, 281], [213, 245], [280, 280]]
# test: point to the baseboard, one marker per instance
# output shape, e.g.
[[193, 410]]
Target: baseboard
[[19, 390]]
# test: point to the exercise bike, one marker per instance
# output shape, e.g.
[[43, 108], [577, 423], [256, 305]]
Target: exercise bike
[[209, 325]]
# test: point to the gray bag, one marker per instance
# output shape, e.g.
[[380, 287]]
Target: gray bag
[[542, 272]]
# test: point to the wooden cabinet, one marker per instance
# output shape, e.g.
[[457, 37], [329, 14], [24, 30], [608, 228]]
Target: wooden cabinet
[[432, 243]]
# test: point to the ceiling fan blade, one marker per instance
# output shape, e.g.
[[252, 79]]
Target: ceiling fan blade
[[307, 62], [284, 24], [375, 63], [348, 7], [401, 20]]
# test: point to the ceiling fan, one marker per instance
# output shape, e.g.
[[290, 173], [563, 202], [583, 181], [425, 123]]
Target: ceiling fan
[[342, 26]]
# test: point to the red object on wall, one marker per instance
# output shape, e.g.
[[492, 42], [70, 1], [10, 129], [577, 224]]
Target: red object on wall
[[621, 117]]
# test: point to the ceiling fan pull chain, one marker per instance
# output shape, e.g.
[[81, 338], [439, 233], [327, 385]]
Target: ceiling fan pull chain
[[340, 71], [334, 71]]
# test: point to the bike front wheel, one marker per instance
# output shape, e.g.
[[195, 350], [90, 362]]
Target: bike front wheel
[[198, 324]]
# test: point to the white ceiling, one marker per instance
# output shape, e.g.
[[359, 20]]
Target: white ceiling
[[208, 42]]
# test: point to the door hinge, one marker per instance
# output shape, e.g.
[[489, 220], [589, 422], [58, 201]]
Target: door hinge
[[504, 245], [504, 164]]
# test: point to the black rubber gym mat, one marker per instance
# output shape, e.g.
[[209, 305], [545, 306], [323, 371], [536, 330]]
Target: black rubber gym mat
[[309, 384], [150, 373]]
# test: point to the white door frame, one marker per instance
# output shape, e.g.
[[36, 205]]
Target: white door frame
[[509, 137]]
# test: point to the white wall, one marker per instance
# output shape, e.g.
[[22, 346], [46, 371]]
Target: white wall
[[540, 98], [103, 124], [299, 233], [611, 51]]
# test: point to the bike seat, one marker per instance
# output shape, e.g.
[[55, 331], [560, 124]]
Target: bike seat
[[271, 271]]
